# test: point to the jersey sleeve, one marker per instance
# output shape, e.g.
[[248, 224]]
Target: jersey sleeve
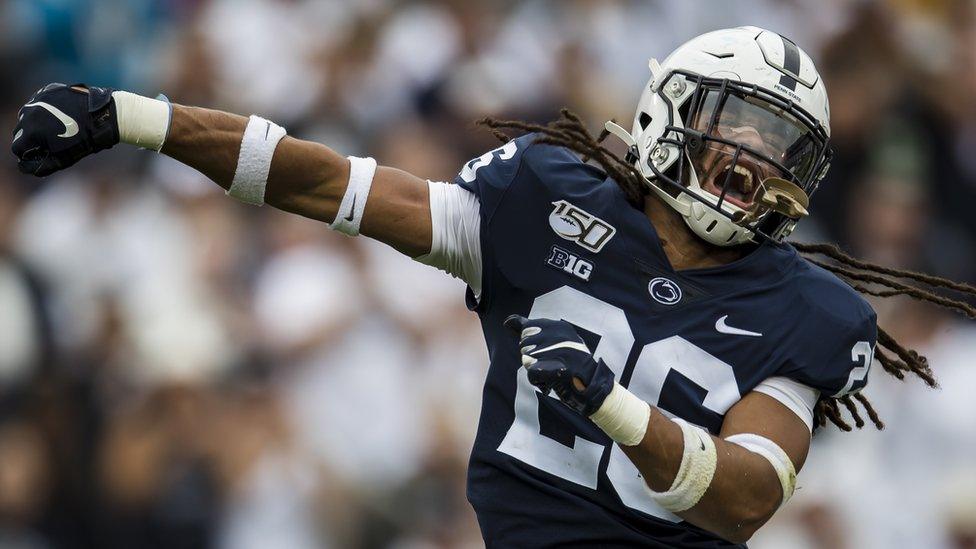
[[833, 348], [490, 175], [455, 222], [483, 181], [518, 187], [528, 173]]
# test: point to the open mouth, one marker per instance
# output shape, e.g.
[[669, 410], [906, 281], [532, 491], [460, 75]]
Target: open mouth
[[743, 178]]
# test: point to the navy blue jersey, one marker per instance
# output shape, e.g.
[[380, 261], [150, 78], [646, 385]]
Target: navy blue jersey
[[560, 241]]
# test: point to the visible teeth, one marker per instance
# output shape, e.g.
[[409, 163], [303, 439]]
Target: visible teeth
[[744, 172]]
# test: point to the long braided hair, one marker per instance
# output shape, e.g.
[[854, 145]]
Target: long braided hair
[[867, 278]]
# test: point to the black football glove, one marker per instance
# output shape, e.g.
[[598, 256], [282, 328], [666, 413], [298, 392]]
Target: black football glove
[[557, 359], [61, 124]]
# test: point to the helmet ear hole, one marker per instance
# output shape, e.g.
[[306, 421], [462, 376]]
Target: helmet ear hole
[[644, 120]]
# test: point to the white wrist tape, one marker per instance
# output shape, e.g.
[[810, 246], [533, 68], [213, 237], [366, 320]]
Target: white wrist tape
[[695, 472], [143, 122], [623, 416], [258, 145], [350, 215], [768, 449]]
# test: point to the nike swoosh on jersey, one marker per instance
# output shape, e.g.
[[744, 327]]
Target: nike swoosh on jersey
[[70, 126], [724, 328]]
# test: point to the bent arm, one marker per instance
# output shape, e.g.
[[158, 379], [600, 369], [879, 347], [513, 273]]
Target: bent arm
[[745, 490], [306, 178]]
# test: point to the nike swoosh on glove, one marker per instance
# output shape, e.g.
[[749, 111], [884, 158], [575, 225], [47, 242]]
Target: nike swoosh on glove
[[557, 359], [61, 124]]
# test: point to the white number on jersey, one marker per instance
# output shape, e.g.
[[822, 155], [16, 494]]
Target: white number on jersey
[[580, 464], [470, 170], [862, 352]]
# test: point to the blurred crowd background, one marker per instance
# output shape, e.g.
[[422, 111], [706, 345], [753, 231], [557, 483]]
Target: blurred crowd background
[[179, 370]]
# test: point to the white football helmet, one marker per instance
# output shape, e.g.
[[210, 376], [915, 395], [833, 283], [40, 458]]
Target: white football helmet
[[732, 132]]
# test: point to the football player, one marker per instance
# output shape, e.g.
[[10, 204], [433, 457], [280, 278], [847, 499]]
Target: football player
[[659, 357]]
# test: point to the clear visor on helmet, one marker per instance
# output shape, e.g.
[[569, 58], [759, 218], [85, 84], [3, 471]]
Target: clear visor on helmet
[[747, 140]]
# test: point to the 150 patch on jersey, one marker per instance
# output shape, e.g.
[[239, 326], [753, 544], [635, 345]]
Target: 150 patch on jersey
[[574, 224], [566, 261]]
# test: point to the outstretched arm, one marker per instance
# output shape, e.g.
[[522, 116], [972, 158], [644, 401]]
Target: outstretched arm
[[306, 178], [59, 125]]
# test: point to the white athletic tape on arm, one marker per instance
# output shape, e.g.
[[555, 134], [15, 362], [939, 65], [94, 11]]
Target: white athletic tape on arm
[[350, 215], [623, 416], [258, 145], [143, 122], [799, 398], [695, 473], [776, 457]]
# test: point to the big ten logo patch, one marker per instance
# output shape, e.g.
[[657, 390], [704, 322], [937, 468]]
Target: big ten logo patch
[[570, 263], [574, 224]]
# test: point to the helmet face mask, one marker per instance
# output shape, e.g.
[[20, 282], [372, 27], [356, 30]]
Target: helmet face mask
[[736, 158], [780, 143], [738, 136]]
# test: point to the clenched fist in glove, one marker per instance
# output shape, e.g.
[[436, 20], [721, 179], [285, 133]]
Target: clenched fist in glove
[[62, 124], [557, 359]]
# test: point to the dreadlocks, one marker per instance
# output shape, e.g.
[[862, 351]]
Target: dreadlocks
[[867, 278], [569, 131]]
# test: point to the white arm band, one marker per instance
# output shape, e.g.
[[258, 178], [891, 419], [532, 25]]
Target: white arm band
[[455, 222], [260, 139], [623, 416], [350, 215], [768, 449], [695, 473], [799, 398], [143, 122]]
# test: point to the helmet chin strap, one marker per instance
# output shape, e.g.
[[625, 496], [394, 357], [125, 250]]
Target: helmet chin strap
[[708, 224], [698, 216], [683, 208]]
